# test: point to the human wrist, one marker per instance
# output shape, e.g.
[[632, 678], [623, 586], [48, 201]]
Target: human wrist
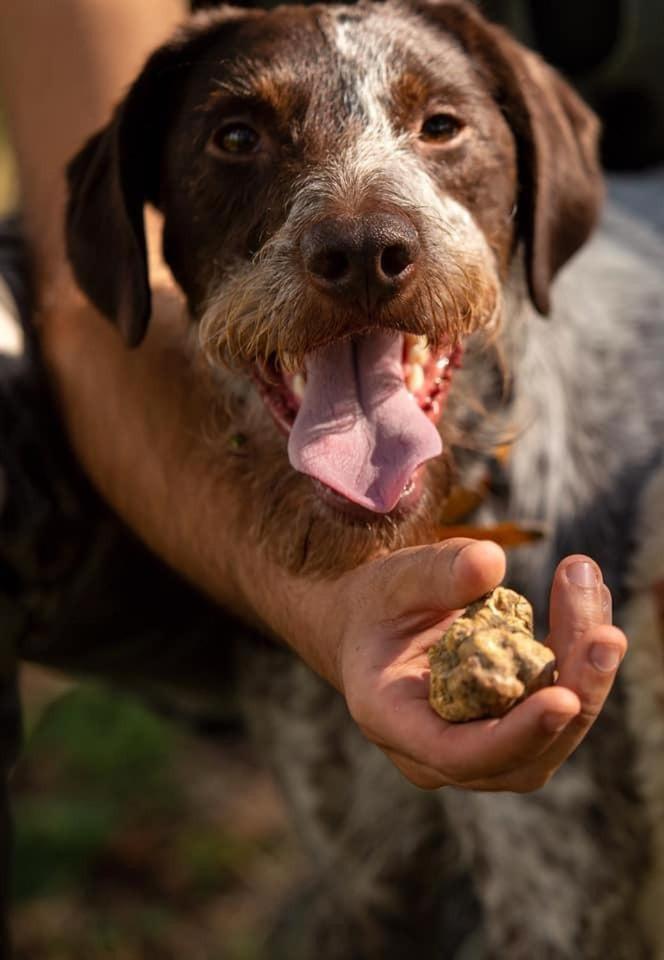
[[307, 615]]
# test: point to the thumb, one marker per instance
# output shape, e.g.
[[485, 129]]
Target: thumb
[[440, 577]]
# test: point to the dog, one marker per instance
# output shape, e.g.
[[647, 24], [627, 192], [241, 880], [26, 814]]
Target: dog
[[380, 217]]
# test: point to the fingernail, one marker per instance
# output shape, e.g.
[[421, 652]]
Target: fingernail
[[582, 574], [605, 657], [555, 722]]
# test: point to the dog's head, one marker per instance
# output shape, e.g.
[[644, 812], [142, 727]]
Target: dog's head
[[344, 190]]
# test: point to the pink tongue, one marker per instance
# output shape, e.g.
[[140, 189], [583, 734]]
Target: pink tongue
[[358, 429]]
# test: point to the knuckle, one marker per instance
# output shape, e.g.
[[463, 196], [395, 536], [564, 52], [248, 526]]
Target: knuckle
[[587, 716], [593, 699], [523, 759], [452, 772], [416, 774], [591, 707]]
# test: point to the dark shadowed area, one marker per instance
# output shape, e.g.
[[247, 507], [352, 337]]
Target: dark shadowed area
[[137, 840]]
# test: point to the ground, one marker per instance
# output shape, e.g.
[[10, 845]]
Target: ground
[[136, 840]]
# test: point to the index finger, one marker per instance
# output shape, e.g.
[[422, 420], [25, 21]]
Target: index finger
[[590, 651], [577, 603]]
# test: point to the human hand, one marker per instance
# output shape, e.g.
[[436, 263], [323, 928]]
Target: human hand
[[397, 607]]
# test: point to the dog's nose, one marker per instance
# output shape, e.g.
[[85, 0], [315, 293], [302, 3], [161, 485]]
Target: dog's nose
[[365, 259]]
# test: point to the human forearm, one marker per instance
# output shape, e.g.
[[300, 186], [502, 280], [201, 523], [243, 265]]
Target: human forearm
[[139, 424], [63, 68]]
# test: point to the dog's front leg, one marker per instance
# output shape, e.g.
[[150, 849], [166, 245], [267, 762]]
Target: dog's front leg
[[560, 871], [386, 877]]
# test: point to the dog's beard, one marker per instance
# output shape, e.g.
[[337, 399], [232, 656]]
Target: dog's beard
[[280, 508], [266, 312], [266, 308]]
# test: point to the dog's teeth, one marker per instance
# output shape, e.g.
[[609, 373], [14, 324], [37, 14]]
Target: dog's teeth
[[419, 352], [415, 380], [297, 386]]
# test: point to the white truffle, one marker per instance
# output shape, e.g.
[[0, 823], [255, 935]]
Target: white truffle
[[488, 660]]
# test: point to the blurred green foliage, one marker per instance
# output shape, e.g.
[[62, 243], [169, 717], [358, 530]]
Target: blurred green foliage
[[101, 754], [134, 839]]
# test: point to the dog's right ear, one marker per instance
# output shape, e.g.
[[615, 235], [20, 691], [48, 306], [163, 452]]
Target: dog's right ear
[[119, 170], [109, 181]]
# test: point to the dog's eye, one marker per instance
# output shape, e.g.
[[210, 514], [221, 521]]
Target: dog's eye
[[441, 128], [236, 138]]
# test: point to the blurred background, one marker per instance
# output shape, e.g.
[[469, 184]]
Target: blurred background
[[137, 839], [612, 51]]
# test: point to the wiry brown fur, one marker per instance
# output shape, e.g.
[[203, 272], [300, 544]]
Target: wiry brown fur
[[264, 309], [282, 509]]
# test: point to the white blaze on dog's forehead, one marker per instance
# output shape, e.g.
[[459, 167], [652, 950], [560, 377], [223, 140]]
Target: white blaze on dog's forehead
[[380, 158], [363, 54]]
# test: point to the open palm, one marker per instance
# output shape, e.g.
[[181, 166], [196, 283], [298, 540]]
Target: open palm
[[397, 607]]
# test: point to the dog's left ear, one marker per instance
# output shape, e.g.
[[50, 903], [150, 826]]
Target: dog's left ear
[[561, 186]]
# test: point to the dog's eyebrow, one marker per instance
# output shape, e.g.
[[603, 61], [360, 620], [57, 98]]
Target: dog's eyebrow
[[251, 80], [414, 87]]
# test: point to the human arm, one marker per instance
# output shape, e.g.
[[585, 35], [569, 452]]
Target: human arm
[[134, 421]]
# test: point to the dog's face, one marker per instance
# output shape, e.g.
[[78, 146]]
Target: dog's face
[[343, 190]]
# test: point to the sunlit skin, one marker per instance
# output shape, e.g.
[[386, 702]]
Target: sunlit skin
[[368, 631]]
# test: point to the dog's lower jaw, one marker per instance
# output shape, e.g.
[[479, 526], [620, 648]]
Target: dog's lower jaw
[[328, 535], [310, 535], [280, 508]]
